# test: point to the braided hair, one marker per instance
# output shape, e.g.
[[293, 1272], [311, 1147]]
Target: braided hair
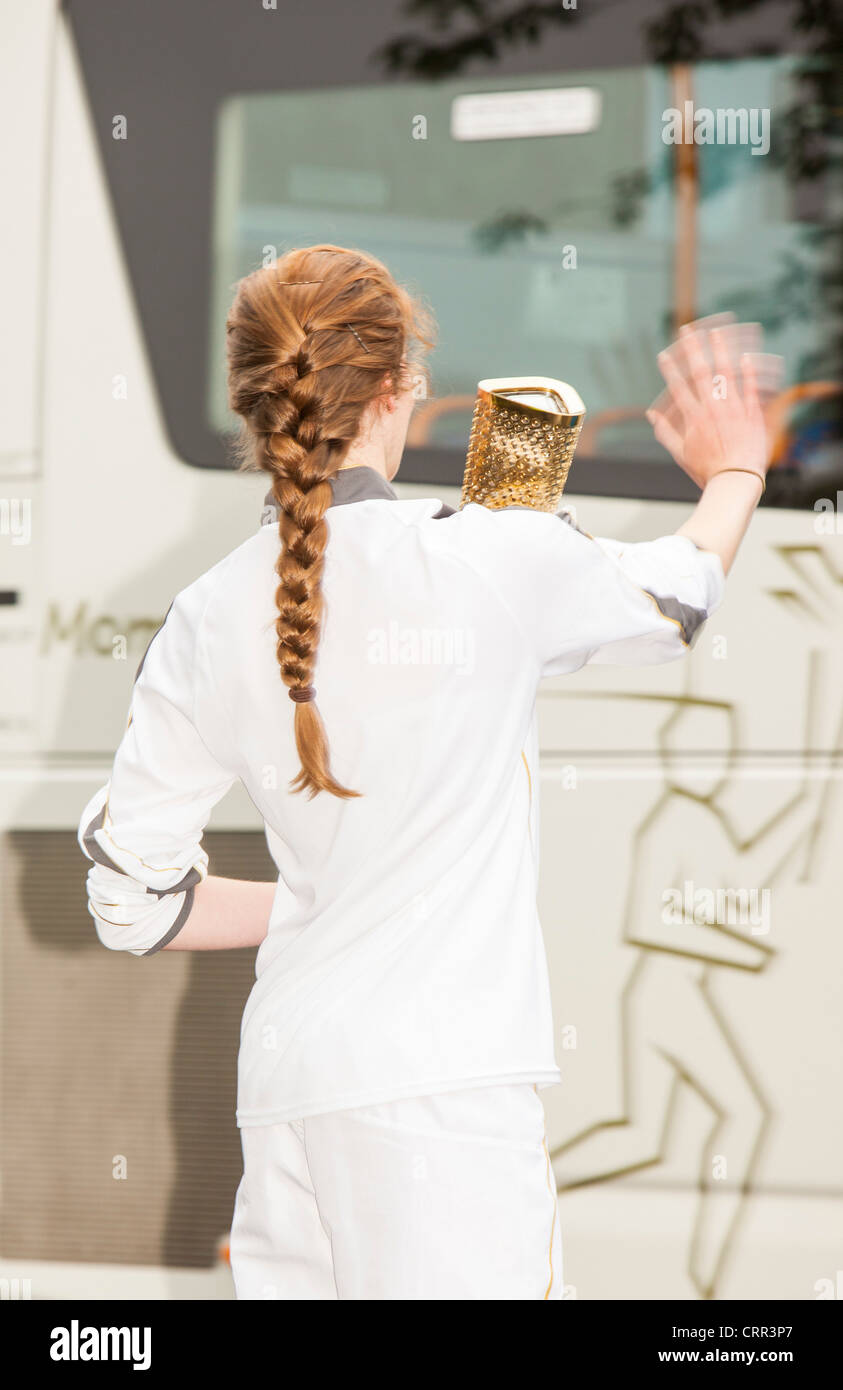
[[312, 341]]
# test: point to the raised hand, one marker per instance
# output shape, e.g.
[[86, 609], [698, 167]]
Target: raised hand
[[711, 417]]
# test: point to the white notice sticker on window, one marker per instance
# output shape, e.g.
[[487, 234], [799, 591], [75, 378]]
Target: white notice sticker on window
[[514, 115]]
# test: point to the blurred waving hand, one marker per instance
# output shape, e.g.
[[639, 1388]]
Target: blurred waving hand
[[711, 416]]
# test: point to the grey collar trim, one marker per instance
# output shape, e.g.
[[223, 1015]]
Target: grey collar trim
[[357, 484]]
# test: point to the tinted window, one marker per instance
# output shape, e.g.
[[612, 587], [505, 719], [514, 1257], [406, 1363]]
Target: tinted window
[[543, 254]]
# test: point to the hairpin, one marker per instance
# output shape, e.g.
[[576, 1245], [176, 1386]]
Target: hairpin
[[357, 336]]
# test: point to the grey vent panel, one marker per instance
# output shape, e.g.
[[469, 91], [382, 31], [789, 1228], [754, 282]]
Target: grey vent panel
[[106, 1055]]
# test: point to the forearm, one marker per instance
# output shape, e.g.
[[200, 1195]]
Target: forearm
[[721, 517], [226, 913]]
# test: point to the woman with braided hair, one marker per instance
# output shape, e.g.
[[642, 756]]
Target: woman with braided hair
[[301, 384], [367, 666]]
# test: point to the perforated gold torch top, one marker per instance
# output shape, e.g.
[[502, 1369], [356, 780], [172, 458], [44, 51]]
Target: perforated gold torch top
[[523, 435]]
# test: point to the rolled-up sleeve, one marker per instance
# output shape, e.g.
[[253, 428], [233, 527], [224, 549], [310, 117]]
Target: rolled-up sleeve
[[143, 829], [666, 588], [580, 598]]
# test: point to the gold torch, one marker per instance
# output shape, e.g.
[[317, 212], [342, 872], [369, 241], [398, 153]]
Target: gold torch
[[523, 435]]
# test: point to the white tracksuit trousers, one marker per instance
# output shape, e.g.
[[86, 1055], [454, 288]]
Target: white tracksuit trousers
[[438, 1197]]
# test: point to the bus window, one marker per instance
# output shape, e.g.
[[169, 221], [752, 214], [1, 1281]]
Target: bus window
[[547, 254]]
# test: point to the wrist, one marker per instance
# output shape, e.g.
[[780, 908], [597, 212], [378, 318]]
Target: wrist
[[744, 481]]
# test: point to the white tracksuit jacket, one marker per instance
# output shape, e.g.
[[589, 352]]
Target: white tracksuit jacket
[[411, 960]]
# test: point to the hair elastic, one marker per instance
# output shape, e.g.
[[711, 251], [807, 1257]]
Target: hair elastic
[[760, 477], [302, 694]]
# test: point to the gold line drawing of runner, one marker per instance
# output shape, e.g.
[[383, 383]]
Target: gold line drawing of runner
[[672, 1029]]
